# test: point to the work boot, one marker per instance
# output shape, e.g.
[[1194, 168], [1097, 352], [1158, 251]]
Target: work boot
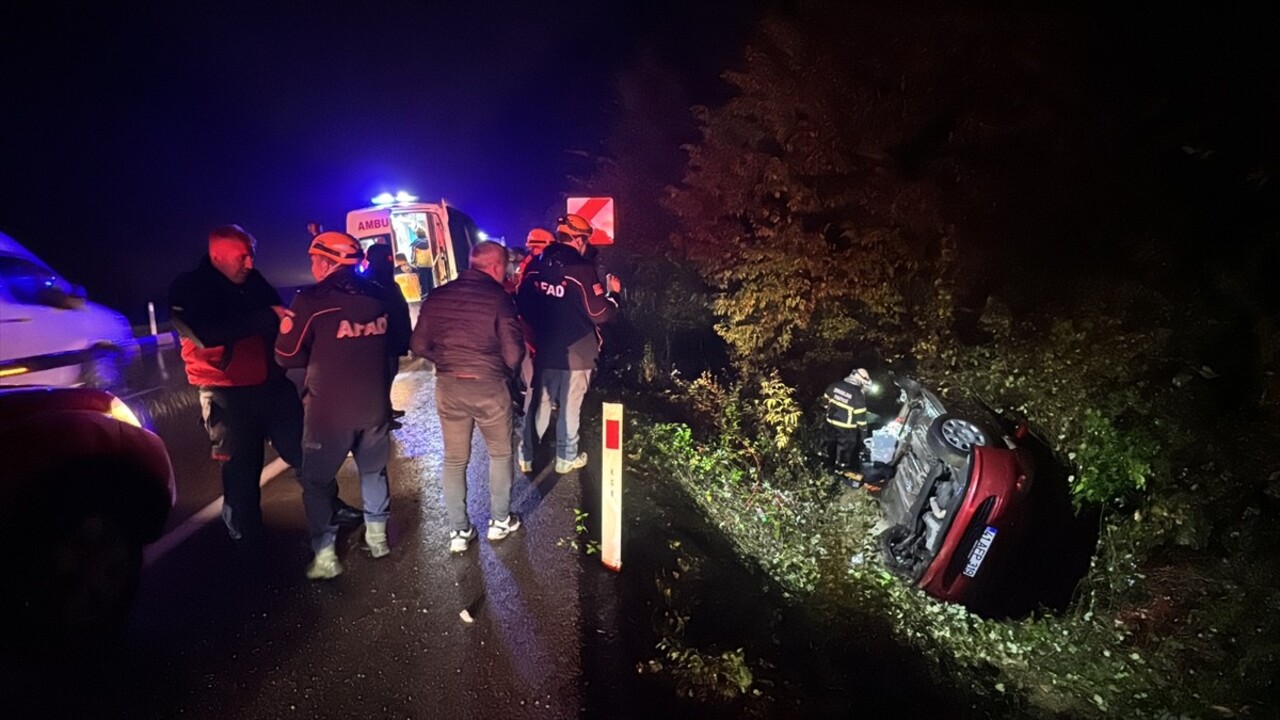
[[375, 536], [325, 566]]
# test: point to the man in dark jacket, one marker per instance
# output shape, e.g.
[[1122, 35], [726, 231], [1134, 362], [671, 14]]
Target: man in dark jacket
[[469, 330], [340, 331], [564, 302], [227, 314], [382, 271]]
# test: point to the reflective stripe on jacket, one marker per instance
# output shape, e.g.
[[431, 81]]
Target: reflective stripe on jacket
[[846, 405]]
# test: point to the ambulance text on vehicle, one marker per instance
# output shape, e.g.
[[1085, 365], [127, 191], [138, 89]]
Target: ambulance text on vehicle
[[435, 238]]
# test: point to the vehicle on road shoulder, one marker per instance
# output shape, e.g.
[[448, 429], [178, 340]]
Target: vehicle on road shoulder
[[84, 488], [50, 334], [954, 495]]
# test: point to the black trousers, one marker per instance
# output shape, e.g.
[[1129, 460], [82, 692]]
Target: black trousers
[[239, 420], [844, 447]]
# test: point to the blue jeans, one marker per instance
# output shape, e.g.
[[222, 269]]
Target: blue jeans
[[566, 388], [322, 456], [527, 437], [464, 405]]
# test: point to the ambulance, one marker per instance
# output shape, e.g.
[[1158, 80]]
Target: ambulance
[[435, 238]]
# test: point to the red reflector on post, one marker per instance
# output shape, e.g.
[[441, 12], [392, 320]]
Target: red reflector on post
[[612, 434]]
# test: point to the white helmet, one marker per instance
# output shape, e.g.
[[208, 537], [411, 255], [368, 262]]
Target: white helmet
[[859, 377]]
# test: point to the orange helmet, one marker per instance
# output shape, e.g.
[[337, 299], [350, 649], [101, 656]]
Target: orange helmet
[[538, 239], [339, 247], [574, 226]]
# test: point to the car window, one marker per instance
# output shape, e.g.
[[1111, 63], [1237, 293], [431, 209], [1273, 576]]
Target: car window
[[28, 282]]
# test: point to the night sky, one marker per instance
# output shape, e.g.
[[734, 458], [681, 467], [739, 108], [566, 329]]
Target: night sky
[[129, 132]]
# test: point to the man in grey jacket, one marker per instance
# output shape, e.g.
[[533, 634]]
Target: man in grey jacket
[[468, 329]]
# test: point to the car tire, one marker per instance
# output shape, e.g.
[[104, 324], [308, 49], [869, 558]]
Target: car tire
[[78, 574], [953, 438], [105, 370], [899, 553], [103, 567]]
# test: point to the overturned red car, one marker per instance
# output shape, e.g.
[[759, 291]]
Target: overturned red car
[[954, 495]]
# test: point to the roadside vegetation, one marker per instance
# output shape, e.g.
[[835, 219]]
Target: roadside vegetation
[[932, 196]]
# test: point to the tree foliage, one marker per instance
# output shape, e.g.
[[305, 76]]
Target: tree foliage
[[791, 213]]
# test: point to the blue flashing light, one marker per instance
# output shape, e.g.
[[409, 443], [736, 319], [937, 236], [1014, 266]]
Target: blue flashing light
[[385, 198], [405, 197], [482, 235]]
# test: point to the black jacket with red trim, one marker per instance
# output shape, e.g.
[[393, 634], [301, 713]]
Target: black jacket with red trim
[[563, 301], [340, 332], [226, 329]]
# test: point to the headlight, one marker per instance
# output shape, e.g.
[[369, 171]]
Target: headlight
[[121, 412]]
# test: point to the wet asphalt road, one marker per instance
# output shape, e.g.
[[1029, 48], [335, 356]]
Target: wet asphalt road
[[219, 634]]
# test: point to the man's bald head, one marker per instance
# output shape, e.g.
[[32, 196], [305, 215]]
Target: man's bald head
[[231, 250], [490, 258]]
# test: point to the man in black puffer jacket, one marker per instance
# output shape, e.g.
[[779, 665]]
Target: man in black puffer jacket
[[469, 330], [340, 331], [563, 302]]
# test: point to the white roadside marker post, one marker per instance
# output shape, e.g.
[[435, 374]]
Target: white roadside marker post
[[611, 488]]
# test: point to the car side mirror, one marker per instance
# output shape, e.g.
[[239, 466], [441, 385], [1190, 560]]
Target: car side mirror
[[76, 298], [59, 298]]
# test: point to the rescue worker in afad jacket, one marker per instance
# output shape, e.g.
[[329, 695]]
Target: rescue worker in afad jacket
[[564, 303], [340, 332], [847, 420]]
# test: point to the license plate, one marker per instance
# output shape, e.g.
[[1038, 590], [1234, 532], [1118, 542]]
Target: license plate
[[979, 551]]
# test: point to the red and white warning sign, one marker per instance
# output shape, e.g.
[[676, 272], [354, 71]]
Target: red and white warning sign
[[599, 212], [611, 488]]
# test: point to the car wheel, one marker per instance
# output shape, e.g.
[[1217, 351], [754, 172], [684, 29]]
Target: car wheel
[[80, 573], [900, 553], [105, 370], [98, 568], [953, 438]]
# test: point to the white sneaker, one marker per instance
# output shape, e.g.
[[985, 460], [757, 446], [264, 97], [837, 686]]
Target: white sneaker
[[375, 536], [458, 539], [568, 466], [499, 530], [325, 566]]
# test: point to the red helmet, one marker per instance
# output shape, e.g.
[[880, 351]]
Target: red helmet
[[539, 238], [341, 248]]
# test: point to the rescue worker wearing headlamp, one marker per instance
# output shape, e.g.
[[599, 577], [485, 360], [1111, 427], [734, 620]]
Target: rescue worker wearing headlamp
[[340, 332], [847, 420]]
